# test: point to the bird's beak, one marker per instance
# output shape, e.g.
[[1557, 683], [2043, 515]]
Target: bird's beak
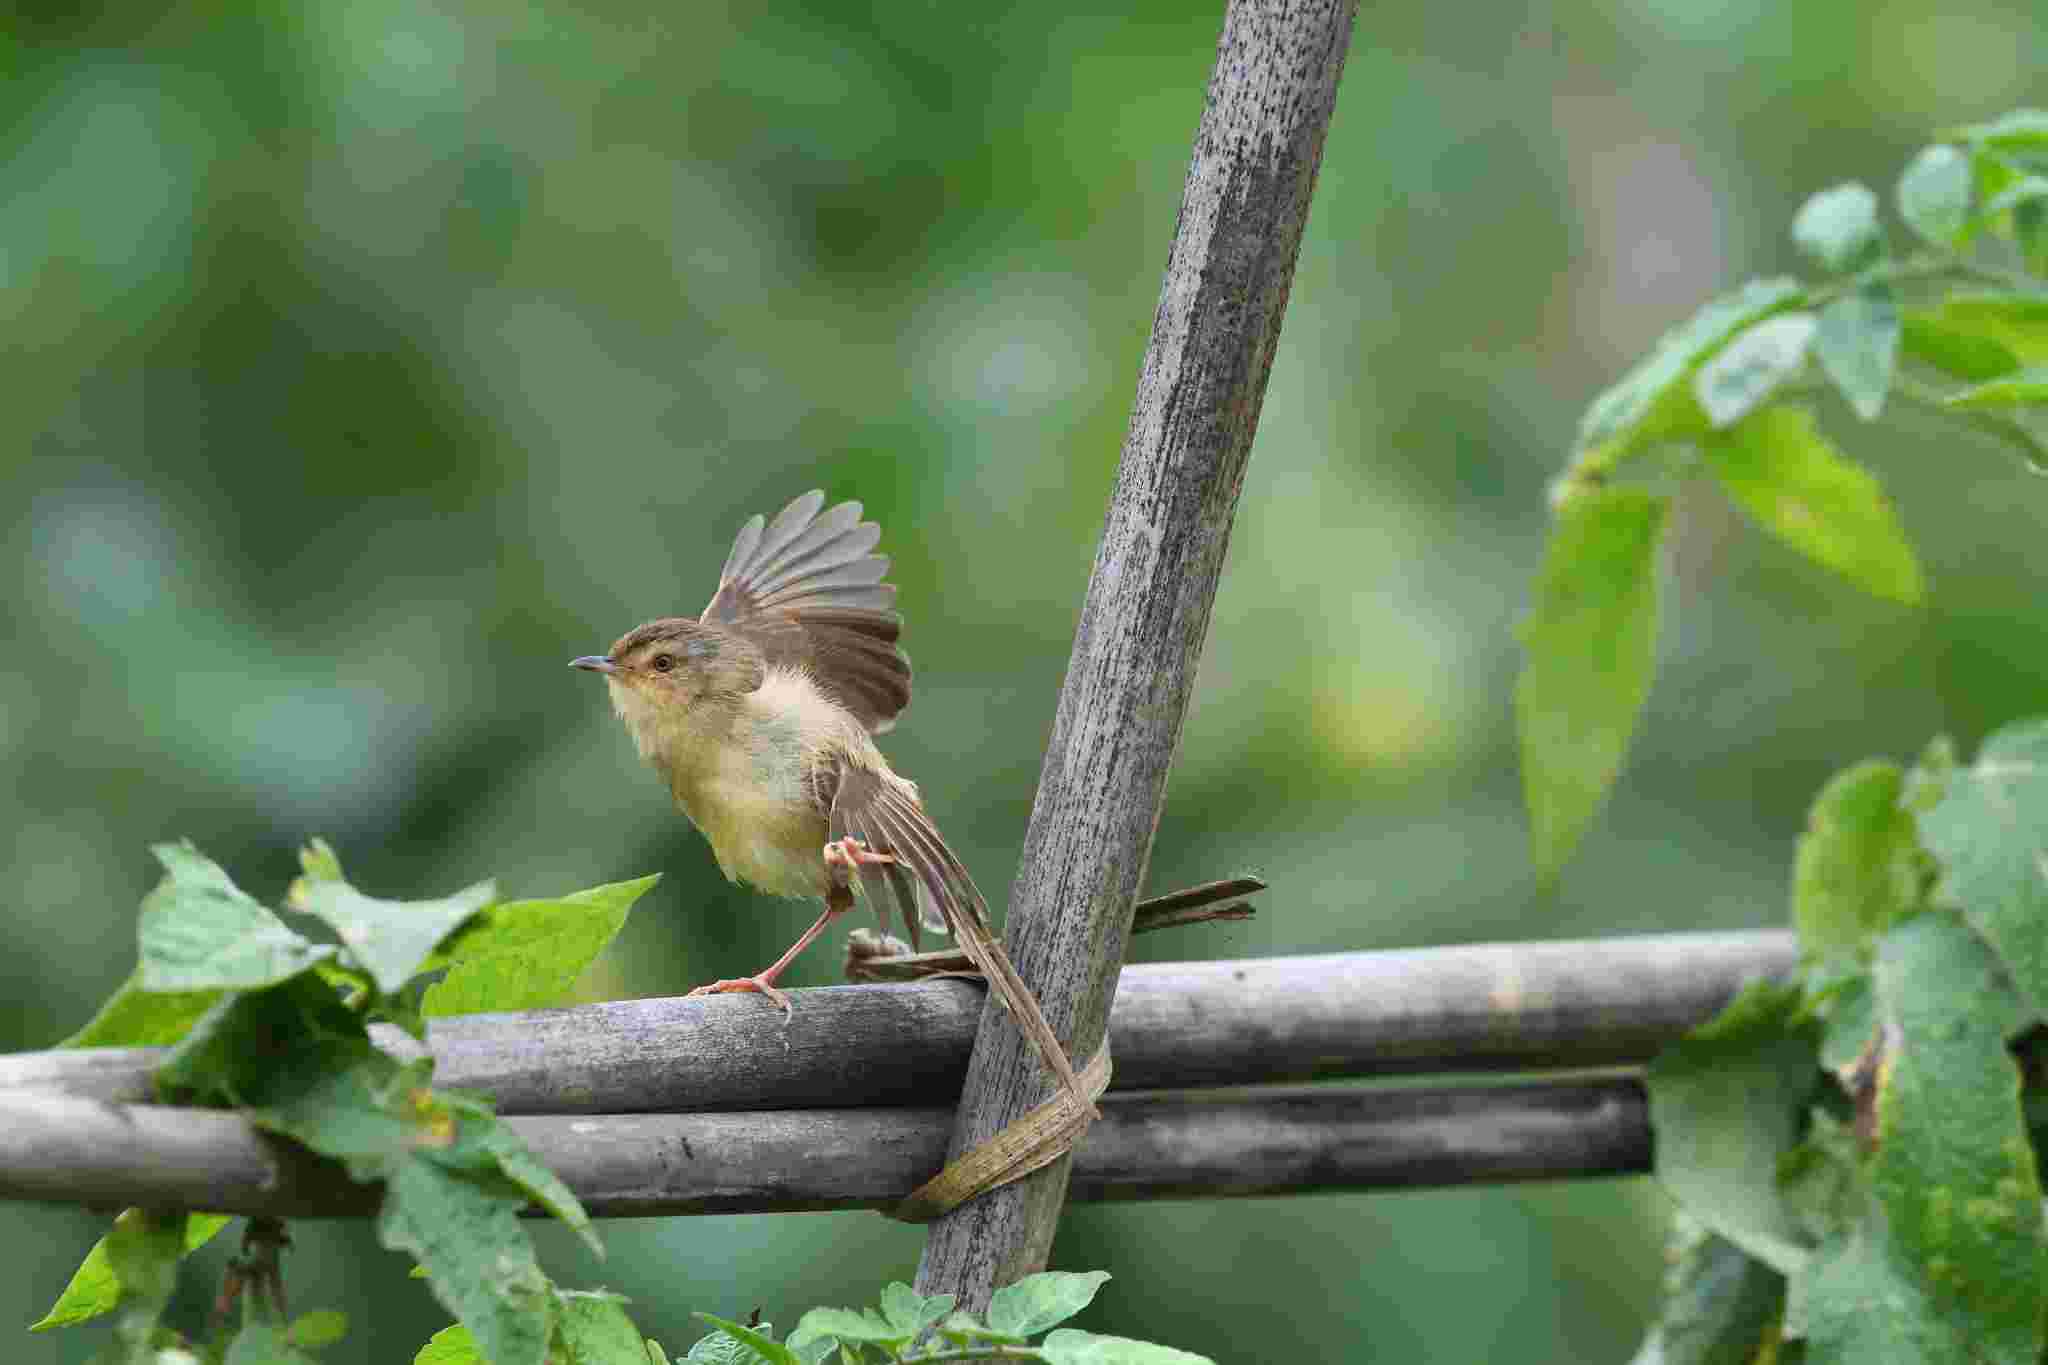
[[596, 663]]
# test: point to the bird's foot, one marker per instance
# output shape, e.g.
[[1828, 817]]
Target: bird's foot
[[761, 984], [851, 854]]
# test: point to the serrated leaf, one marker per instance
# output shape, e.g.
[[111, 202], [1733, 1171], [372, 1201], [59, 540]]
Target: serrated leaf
[[1721, 1305], [2010, 391], [322, 1327], [1725, 1104], [1837, 228], [1858, 866], [1752, 366], [391, 939], [913, 1312], [2016, 321], [594, 1329], [1953, 1168], [1957, 352], [1591, 644], [527, 954], [480, 1265], [1044, 1300], [1934, 194], [1652, 402], [1857, 344], [767, 1348], [452, 1345], [1990, 834], [1070, 1347], [238, 1052], [1810, 496], [95, 1289], [134, 1017], [200, 932]]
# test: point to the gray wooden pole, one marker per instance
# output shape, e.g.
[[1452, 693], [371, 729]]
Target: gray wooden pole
[[1146, 614], [1463, 1008], [1158, 1145]]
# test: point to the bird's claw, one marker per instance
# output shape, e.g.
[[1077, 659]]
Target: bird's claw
[[852, 853], [753, 985]]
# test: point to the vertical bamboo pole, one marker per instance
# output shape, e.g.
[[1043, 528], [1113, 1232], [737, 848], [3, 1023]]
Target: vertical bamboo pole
[[1146, 614]]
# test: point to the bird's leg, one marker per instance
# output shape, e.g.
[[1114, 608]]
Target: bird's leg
[[840, 858]]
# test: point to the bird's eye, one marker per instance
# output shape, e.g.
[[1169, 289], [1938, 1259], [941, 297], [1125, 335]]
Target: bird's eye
[[663, 663]]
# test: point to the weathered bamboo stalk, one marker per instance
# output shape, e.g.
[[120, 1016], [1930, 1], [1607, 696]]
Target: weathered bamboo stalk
[[1475, 1008], [63, 1149], [1146, 613]]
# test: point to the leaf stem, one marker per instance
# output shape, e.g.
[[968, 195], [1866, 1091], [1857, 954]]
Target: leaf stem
[[1910, 390]]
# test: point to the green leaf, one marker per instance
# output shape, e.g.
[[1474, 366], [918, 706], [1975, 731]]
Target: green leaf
[[846, 1324], [1862, 1308], [201, 932], [2028, 189], [94, 1289], [1837, 228], [483, 1144], [1990, 834], [911, 1311], [253, 1042], [1858, 866], [1725, 1104], [322, 1327], [1858, 346], [1934, 195], [526, 954], [1953, 1168], [1851, 1015], [134, 1017], [1822, 1180], [1652, 403], [264, 1343], [480, 1264], [1036, 1302], [391, 939], [1591, 642], [1721, 1305], [2019, 130], [1809, 495], [1955, 351], [452, 1345], [594, 1329], [2016, 321], [1752, 366], [2013, 390], [766, 1347], [142, 1252], [1069, 1347], [722, 1348]]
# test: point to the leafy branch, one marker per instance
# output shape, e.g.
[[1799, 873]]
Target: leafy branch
[[1857, 1152], [1958, 327]]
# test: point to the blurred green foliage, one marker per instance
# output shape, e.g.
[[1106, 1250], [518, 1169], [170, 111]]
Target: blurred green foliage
[[369, 360]]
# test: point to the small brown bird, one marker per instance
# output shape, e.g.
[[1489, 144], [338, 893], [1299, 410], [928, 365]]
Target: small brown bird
[[760, 714]]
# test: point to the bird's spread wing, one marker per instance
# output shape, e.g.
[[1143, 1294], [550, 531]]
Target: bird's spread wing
[[884, 813], [806, 589]]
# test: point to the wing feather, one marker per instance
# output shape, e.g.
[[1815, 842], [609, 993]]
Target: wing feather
[[807, 590]]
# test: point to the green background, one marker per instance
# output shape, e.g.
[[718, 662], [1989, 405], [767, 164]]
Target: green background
[[367, 361]]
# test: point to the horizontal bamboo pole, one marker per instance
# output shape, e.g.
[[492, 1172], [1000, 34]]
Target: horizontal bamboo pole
[[63, 1149], [1470, 1009]]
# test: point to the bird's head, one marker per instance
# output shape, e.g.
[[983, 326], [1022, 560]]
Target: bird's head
[[672, 665]]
